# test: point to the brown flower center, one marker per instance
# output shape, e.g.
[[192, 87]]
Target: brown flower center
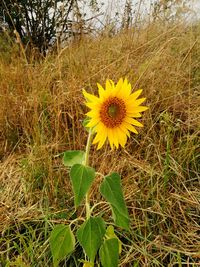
[[112, 112]]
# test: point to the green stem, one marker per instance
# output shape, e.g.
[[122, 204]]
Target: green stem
[[86, 163], [97, 204], [75, 220]]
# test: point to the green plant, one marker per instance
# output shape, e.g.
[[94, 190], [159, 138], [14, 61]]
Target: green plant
[[115, 108]]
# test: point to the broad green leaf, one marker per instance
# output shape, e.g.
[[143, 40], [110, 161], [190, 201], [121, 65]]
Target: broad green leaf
[[109, 253], [72, 157], [62, 243], [110, 233], [90, 236], [111, 190], [81, 178]]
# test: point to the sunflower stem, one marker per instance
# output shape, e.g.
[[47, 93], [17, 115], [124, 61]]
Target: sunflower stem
[[86, 163]]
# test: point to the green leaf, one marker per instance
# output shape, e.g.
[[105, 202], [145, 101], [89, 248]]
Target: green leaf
[[81, 178], [72, 157], [90, 236], [62, 243], [110, 233], [111, 190], [109, 253], [87, 263]]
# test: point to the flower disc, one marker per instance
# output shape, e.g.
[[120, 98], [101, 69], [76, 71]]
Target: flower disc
[[112, 113]]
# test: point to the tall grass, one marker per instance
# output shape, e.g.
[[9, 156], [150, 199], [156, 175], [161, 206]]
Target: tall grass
[[41, 115]]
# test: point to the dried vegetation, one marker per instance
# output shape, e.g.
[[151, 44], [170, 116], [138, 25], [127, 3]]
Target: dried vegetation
[[41, 115]]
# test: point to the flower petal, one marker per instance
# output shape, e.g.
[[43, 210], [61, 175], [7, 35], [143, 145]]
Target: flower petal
[[93, 114], [133, 121], [121, 137], [119, 85], [115, 138], [92, 123], [125, 91], [101, 90], [110, 137], [134, 110], [101, 135], [135, 95], [90, 98], [109, 86], [130, 127]]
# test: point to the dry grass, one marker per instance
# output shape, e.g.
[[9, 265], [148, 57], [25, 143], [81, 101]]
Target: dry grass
[[40, 117]]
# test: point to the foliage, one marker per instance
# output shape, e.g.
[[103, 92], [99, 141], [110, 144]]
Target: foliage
[[38, 23], [62, 243], [90, 236], [109, 253], [112, 192], [91, 233], [170, 10], [81, 178]]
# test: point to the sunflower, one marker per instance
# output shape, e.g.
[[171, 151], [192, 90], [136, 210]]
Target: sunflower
[[112, 113]]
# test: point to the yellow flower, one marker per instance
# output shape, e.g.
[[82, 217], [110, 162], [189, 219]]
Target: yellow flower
[[112, 113]]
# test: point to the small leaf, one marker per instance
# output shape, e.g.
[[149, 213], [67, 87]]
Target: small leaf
[[109, 253], [81, 178], [87, 263], [111, 190], [90, 236], [110, 233], [72, 157], [62, 243], [85, 122]]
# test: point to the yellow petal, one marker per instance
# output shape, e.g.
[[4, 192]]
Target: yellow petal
[[97, 138], [101, 135], [135, 95], [109, 85], [125, 91], [119, 85], [131, 111], [93, 122], [110, 137], [101, 91], [136, 115], [90, 98], [121, 137], [125, 82], [102, 141], [124, 130], [133, 121], [112, 83], [93, 105], [115, 138], [93, 114], [139, 101], [130, 127]]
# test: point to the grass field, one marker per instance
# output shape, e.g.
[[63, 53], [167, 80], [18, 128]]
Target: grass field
[[41, 113]]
